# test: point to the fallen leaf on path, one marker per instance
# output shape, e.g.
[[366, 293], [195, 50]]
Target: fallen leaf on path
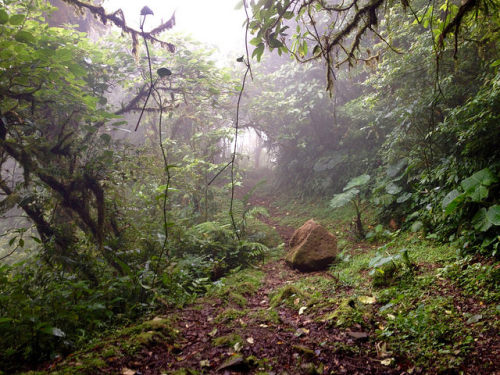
[[213, 332], [301, 332], [367, 300], [474, 319], [387, 362], [127, 371], [302, 309], [205, 363], [250, 340]]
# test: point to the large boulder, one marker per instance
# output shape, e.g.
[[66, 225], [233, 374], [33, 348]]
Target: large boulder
[[312, 248]]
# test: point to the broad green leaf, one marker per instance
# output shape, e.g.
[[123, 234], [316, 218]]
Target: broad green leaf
[[357, 181], [77, 70], [392, 188], [275, 43], [480, 221], [394, 169], [54, 331], [484, 177], [257, 52], [493, 214], [4, 17], [478, 194], [16, 19], [380, 260], [340, 200], [452, 201], [256, 41], [416, 226], [63, 54], [106, 138], [404, 197], [5, 320], [474, 319], [164, 72], [24, 37]]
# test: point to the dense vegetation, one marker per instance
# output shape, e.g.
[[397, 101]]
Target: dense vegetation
[[118, 171]]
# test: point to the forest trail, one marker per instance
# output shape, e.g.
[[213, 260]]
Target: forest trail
[[253, 340], [269, 319], [269, 331]]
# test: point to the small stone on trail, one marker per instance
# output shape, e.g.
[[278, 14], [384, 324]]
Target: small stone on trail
[[358, 335]]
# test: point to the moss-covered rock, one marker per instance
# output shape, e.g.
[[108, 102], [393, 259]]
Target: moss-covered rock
[[312, 248]]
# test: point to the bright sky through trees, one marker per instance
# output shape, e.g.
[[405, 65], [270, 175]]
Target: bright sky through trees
[[212, 22]]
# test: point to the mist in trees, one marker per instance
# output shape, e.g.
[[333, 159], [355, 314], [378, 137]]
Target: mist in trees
[[121, 188]]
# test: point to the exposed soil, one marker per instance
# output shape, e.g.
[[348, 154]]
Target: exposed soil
[[293, 344]]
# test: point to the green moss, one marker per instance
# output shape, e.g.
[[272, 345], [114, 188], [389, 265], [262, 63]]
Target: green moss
[[110, 351], [229, 315], [237, 299], [284, 294], [87, 365], [293, 296], [349, 269], [348, 313], [228, 340], [245, 282], [430, 333], [386, 275], [126, 341], [265, 316]]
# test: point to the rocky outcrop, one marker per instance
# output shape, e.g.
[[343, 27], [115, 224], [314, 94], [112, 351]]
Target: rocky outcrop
[[312, 248]]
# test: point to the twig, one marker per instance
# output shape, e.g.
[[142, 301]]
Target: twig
[[150, 73]]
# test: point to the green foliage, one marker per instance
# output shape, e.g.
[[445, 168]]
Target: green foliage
[[219, 247], [348, 313], [429, 333], [352, 194], [44, 312], [475, 278], [350, 191], [385, 267]]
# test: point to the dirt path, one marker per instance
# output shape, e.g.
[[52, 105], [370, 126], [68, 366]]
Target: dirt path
[[220, 336], [293, 344]]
